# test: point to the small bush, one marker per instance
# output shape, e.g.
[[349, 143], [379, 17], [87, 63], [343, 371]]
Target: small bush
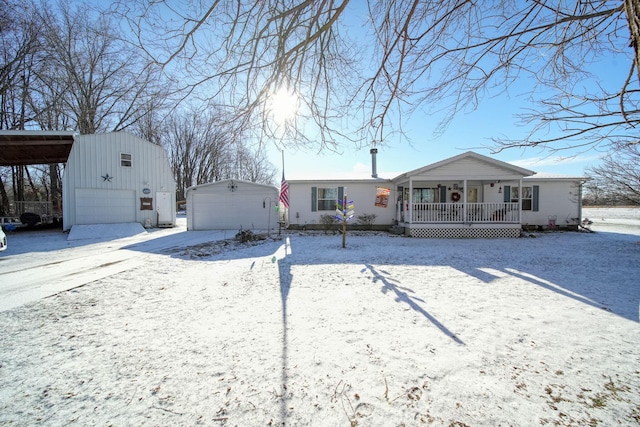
[[328, 221], [244, 236], [366, 219]]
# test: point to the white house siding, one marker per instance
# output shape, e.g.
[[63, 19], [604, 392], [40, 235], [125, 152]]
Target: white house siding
[[468, 168], [559, 200], [215, 206], [468, 165], [361, 192], [95, 183]]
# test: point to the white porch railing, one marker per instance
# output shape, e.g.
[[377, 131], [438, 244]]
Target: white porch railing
[[461, 213]]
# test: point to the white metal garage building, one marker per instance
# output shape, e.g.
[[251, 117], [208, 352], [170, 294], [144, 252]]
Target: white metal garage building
[[117, 178], [232, 205]]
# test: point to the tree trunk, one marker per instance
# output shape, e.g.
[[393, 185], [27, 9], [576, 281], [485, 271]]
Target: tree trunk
[[4, 200], [34, 190], [632, 10], [18, 184], [55, 189]]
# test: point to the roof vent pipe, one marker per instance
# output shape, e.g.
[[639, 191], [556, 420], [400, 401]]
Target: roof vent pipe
[[374, 167]]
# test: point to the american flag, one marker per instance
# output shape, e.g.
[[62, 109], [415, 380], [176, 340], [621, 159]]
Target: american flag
[[284, 192]]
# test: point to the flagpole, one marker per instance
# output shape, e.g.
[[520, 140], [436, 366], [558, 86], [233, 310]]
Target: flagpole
[[285, 200], [284, 194]]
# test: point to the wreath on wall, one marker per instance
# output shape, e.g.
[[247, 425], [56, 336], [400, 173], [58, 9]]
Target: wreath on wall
[[455, 196]]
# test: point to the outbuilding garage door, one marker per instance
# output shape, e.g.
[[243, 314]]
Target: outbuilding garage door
[[105, 206], [227, 212]]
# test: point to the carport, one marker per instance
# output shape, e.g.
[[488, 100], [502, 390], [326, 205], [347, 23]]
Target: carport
[[20, 148], [24, 148]]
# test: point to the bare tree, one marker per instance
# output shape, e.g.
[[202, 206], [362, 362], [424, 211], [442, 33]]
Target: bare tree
[[203, 147], [617, 180], [379, 63], [239, 54], [99, 82], [19, 43], [251, 165]]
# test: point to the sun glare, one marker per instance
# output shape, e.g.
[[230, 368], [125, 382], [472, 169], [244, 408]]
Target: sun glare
[[283, 105]]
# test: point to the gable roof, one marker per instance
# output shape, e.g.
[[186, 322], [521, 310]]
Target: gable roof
[[557, 177], [469, 155], [232, 182]]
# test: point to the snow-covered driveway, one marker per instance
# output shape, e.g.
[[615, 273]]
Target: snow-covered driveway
[[43, 263]]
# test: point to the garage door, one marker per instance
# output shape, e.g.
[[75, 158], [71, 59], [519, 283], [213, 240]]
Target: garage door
[[105, 206], [222, 211]]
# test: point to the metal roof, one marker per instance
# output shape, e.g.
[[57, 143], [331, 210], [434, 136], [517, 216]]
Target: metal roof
[[25, 147]]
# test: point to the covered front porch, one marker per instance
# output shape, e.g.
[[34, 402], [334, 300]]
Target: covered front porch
[[467, 196], [466, 213], [461, 220]]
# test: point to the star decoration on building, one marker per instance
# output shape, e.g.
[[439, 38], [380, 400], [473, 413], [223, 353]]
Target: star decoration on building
[[107, 178]]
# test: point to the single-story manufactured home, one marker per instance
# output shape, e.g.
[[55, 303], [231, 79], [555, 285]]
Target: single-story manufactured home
[[117, 178], [465, 196], [232, 204]]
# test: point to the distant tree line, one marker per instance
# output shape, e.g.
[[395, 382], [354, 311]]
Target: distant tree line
[[616, 181], [66, 67]]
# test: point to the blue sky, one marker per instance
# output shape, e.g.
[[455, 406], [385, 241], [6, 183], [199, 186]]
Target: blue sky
[[470, 131]]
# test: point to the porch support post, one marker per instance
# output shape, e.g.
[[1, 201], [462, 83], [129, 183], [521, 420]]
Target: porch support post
[[464, 201], [520, 202], [410, 200]]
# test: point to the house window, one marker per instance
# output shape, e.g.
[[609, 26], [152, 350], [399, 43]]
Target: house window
[[527, 197], [125, 160], [327, 198], [424, 195]]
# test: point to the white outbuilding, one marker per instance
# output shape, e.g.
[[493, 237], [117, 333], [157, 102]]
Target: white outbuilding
[[118, 178], [232, 205]]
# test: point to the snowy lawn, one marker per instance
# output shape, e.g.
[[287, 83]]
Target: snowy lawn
[[390, 331]]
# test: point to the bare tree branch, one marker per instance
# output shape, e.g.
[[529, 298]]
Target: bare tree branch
[[360, 84]]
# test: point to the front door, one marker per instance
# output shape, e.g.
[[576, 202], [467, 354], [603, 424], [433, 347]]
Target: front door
[[472, 195], [164, 207]]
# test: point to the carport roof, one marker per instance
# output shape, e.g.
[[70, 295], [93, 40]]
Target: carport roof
[[25, 147]]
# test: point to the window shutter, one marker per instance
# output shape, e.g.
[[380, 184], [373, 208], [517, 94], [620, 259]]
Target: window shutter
[[340, 196], [443, 194], [507, 193], [536, 198], [314, 199]]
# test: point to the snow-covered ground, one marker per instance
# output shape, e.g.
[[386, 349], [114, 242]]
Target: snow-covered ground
[[622, 220], [296, 330]]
